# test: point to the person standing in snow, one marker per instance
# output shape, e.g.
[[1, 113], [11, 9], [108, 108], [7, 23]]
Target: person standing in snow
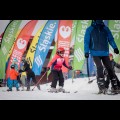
[[13, 78], [96, 41], [15, 61], [56, 69], [30, 74], [114, 64]]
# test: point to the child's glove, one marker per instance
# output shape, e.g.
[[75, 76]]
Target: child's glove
[[70, 68]]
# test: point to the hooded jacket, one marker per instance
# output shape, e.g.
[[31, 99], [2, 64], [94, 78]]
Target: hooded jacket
[[97, 39]]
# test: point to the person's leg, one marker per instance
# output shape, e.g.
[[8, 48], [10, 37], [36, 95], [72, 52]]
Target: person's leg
[[16, 84], [111, 73], [34, 80], [61, 78], [61, 82], [55, 78], [10, 85], [54, 81], [100, 75], [28, 82], [19, 81], [118, 82], [107, 82]]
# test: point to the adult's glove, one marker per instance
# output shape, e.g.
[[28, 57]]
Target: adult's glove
[[47, 69], [87, 55], [116, 51], [70, 68]]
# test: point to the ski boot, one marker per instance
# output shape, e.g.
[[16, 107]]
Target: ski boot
[[101, 85], [53, 90], [22, 88], [100, 91], [28, 89], [60, 89], [17, 89], [9, 89], [114, 91], [114, 88]]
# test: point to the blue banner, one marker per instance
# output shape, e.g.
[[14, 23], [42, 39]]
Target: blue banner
[[44, 44]]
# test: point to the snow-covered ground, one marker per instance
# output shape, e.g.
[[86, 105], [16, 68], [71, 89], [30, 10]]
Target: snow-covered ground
[[85, 92]]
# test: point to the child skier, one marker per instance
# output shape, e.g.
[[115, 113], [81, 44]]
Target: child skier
[[56, 65], [15, 61], [114, 64], [13, 78]]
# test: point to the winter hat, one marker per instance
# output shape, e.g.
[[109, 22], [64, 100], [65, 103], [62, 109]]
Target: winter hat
[[111, 55]]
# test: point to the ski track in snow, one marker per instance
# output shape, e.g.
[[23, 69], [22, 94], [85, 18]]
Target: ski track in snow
[[84, 90]]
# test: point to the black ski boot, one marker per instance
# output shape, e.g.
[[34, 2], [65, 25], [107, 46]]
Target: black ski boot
[[115, 88], [28, 88], [9, 89], [101, 85]]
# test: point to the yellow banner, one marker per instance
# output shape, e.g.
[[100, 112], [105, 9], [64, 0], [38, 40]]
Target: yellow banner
[[32, 48]]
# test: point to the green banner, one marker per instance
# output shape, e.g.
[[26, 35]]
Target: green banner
[[114, 26], [7, 42], [73, 32], [79, 44]]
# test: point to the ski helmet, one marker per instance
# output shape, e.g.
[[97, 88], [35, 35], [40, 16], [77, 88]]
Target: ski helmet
[[60, 50], [12, 66]]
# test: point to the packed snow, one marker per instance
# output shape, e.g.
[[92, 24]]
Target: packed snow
[[79, 90]]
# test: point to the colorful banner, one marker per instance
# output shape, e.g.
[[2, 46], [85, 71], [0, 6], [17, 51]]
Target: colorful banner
[[79, 58], [52, 55], [7, 42], [21, 44], [44, 43], [74, 28], [10, 52], [114, 26], [32, 48], [64, 38]]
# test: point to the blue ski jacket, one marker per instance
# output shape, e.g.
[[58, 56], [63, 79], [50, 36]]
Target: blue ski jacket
[[97, 40]]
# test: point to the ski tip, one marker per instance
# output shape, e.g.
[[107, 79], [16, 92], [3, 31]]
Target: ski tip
[[90, 82]]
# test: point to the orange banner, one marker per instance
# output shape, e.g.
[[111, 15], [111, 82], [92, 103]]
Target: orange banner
[[21, 44], [64, 38]]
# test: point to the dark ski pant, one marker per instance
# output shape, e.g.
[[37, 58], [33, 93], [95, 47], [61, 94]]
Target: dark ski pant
[[30, 75], [57, 76], [100, 61], [19, 81]]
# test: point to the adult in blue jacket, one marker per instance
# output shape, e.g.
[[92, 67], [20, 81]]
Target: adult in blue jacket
[[96, 42]]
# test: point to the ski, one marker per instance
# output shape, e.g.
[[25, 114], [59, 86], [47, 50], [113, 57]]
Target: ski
[[106, 93], [90, 81], [62, 91]]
